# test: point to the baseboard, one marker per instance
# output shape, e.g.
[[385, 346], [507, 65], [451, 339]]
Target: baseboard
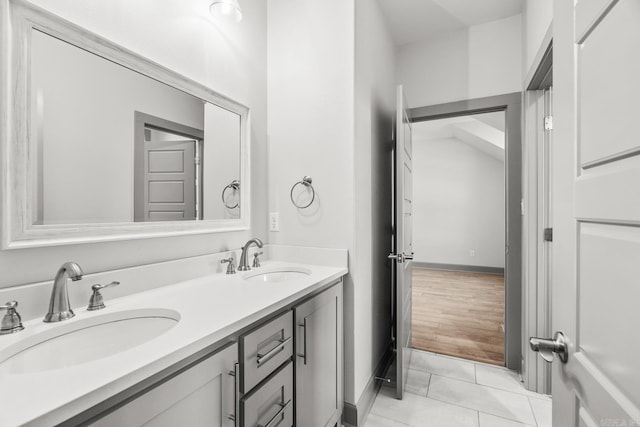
[[459, 267], [356, 415]]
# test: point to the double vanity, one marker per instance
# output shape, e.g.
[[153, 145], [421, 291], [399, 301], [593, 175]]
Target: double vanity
[[192, 341], [261, 347]]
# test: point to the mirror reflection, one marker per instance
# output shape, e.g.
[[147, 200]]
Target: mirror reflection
[[112, 145]]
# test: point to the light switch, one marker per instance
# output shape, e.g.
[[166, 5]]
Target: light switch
[[274, 221]]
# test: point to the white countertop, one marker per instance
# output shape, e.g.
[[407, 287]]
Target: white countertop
[[211, 308]]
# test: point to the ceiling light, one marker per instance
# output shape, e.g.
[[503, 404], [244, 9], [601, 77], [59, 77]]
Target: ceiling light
[[228, 9]]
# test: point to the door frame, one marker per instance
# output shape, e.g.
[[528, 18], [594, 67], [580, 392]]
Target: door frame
[[536, 373], [511, 104]]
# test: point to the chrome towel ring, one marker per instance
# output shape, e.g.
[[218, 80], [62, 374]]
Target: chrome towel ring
[[235, 186], [306, 181]]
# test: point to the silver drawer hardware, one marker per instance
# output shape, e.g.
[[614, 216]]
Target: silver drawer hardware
[[304, 341], [263, 358], [96, 302], [280, 413], [231, 268], [546, 347], [11, 322], [235, 376]]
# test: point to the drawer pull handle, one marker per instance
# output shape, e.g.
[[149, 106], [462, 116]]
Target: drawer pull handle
[[304, 341], [263, 358], [280, 413]]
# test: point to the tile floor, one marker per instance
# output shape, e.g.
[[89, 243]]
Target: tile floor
[[444, 391]]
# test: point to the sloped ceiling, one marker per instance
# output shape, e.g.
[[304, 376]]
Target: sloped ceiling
[[414, 20], [484, 132]]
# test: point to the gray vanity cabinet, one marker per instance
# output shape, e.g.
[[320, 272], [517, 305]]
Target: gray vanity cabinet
[[203, 395], [319, 385]]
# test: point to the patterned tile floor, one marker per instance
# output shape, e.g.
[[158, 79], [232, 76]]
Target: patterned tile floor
[[444, 391]]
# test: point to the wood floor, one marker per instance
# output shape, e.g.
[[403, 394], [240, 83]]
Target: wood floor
[[459, 314]]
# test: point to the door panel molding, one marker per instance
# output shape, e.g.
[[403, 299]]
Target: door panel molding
[[595, 293]]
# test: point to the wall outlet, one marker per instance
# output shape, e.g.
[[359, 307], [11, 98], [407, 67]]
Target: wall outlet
[[472, 252], [274, 221]]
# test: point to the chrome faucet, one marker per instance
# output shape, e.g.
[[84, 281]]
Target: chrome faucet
[[243, 265], [11, 322], [59, 308]]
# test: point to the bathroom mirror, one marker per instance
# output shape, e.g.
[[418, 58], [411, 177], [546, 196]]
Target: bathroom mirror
[[107, 145]]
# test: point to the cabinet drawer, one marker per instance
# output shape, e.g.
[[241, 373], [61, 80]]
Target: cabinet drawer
[[265, 349], [271, 404]]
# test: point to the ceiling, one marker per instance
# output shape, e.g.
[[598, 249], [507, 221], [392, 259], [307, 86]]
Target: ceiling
[[484, 132], [413, 20]]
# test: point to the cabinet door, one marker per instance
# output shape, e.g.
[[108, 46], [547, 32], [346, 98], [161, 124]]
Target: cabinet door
[[203, 395], [319, 359]]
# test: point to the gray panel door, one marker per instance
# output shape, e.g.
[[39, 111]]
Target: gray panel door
[[403, 241], [596, 212], [169, 180]]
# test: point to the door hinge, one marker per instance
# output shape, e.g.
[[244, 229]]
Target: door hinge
[[197, 160], [548, 234], [548, 123]]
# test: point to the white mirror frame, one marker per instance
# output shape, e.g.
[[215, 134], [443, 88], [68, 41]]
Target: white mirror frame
[[18, 20]]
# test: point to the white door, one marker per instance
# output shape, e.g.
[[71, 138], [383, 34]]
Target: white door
[[403, 242], [596, 203]]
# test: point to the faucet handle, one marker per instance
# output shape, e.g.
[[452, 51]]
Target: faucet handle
[[96, 302], [11, 322], [231, 268], [256, 260]]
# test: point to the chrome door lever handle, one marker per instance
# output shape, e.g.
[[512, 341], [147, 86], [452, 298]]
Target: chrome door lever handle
[[547, 347], [397, 257]]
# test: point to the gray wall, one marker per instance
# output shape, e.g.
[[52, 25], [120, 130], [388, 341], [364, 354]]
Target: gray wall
[[374, 124]]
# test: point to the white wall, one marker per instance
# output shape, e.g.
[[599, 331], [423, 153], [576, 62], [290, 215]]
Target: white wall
[[180, 35], [221, 162], [458, 204], [374, 122], [310, 125], [311, 130], [483, 60], [537, 19], [333, 122]]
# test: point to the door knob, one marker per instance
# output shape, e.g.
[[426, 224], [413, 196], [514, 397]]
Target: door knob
[[547, 347]]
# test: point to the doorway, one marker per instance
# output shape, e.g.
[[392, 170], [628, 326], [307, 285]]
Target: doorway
[[510, 106], [459, 236]]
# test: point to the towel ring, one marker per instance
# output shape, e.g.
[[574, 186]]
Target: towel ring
[[235, 186], [306, 181]]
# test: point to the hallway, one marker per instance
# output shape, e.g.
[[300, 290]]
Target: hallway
[[444, 391], [459, 314]]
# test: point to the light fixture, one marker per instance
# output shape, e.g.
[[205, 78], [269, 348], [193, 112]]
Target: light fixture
[[228, 9]]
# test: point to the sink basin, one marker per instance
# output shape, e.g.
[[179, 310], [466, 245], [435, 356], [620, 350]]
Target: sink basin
[[279, 275], [86, 340]]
